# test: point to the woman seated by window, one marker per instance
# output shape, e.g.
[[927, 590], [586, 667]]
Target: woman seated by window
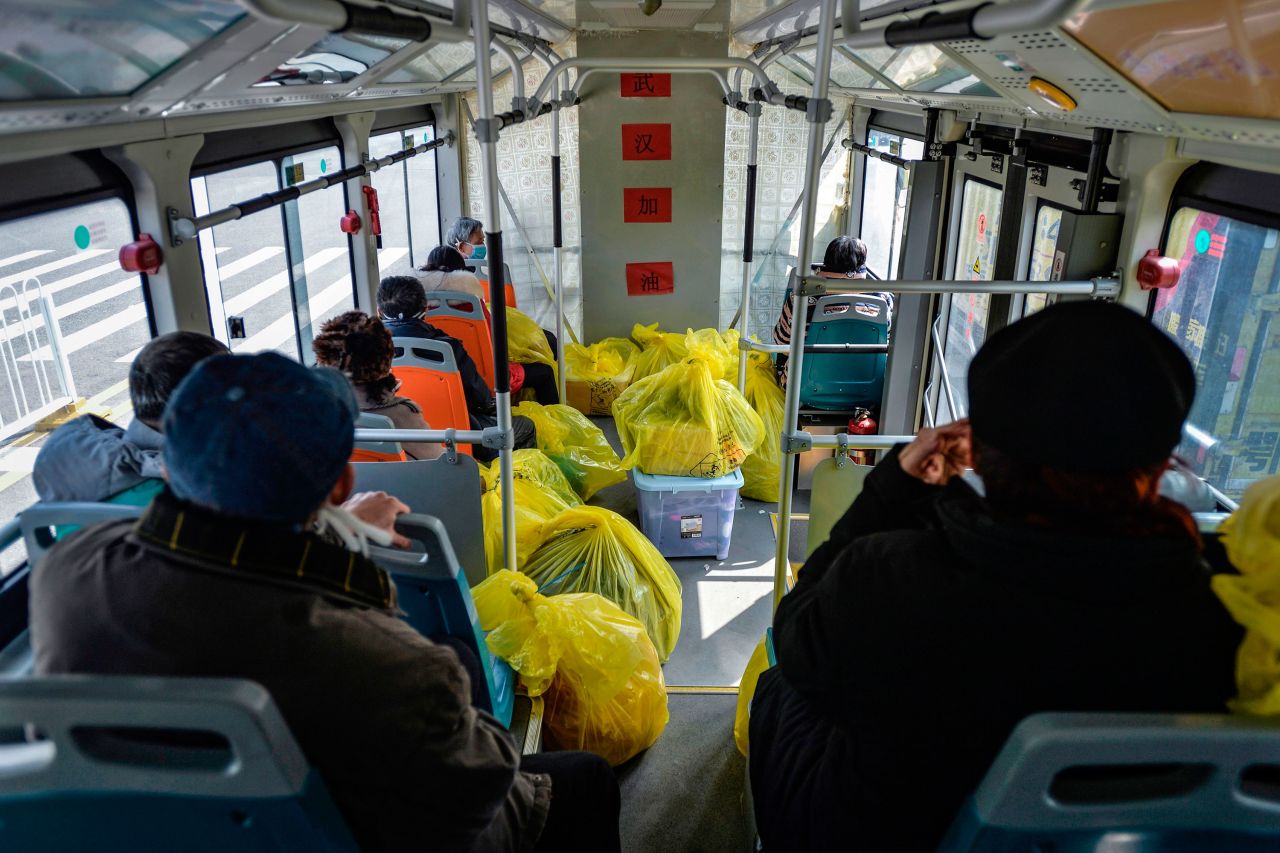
[[845, 258], [360, 346]]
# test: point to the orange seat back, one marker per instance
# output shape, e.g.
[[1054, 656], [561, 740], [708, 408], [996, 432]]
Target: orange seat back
[[429, 376], [509, 288], [359, 454], [461, 316]]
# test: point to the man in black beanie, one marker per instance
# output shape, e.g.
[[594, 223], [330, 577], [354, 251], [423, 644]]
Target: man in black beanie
[[934, 619]]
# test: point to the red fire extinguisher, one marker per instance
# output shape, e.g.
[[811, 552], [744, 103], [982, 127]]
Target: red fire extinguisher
[[862, 424]]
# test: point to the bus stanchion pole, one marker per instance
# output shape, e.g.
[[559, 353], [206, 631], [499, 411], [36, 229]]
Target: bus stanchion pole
[[487, 127], [748, 238], [817, 115], [557, 241]]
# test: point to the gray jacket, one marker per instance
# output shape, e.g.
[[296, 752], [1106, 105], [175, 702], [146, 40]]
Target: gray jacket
[[383, 713], [91, 459]]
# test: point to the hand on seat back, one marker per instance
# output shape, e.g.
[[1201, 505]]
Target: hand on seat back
[[379, 509], [938, 454]]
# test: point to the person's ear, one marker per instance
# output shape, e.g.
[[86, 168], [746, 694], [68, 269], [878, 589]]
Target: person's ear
[[343, 488]]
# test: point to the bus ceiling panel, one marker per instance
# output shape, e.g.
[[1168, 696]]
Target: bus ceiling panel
[[760, 20], [71, 49], [336, 58]]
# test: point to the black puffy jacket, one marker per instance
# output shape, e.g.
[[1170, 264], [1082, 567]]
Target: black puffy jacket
[[925, 630]]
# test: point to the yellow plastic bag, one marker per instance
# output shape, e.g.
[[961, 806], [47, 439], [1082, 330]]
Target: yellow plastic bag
[[763, 467], [591, 549], [686, 422], [575, 444], [541, 493], [597, 374], [658, 350], [526, 342], [1252, 539], [593, 665], [756, 666], [723, 344]]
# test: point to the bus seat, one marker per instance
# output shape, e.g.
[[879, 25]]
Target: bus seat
[[450, 491], [839, 486], [429, 376], [1131, 782], [376, 451], [39, 521], [149, 764], [838, 381], [461, 316], [482, 273], [436, 598]]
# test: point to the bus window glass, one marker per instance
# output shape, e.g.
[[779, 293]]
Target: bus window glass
[[975, 255], [62, 264], [311, 225], [245, 266], [407, 197], [1222, 314], [884, 201], [334, 59], [1044, 245]]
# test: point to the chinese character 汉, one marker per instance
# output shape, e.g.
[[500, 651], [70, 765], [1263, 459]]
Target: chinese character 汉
[[648, 205], [642, 83], [650, 281], [644, 143]]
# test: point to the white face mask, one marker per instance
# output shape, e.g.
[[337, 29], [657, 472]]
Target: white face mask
[[354, 533]]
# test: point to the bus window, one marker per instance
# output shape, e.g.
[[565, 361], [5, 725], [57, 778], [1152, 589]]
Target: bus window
[[1221, 313], [67, 261], [975, 255], [246, 271], [311, 222], [884, 201], [1043, 246], [407, 194]]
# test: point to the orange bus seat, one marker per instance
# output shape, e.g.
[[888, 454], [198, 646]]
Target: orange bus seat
[[509, 288], [377, 451], [481, 269], [429, 376], [461, 316]]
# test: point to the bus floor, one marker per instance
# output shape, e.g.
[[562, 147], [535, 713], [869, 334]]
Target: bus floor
[[687, 792]]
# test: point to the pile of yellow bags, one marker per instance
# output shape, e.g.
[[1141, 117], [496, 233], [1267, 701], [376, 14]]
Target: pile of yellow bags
[[723, 344], [1252, 539], [591, 549], [597, 374], [687, 421], [763, 467], [576, 445], [541, 493], [593, 665]]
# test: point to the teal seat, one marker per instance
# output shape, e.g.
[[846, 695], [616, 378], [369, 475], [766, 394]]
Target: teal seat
[[139, 764], [436, 599], [840, 381], [139, 495], [1128, 783]]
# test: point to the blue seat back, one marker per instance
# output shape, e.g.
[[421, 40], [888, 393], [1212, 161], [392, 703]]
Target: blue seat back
[[435, 596], [42, 523], [839, 381], [376, 451], [1128, 782], [150, 764], [448, 490]]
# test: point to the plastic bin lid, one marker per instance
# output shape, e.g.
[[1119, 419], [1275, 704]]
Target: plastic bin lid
[[666, 483]]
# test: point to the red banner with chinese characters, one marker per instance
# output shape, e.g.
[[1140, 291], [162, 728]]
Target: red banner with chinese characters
[[651, 279], [646, 86], [646, 204], [646, 142]]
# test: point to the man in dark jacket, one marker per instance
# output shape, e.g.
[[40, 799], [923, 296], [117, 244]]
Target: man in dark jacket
[[402, 302], [934, 620], [91, 459], [220, 578]]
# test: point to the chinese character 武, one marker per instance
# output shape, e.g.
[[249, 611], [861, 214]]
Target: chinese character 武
[[642, 83]]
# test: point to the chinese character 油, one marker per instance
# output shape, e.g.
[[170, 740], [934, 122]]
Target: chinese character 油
[[650, 282]]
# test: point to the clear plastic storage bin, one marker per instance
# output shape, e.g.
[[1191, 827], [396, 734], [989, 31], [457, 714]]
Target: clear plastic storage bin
[[688, 516]]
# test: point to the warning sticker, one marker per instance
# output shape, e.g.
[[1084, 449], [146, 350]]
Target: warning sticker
[[690, 527], [1059, 261], [977, 270]]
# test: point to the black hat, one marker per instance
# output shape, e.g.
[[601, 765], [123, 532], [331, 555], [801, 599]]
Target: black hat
[[1081, 386]]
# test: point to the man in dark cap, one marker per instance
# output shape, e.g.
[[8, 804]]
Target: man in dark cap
[[222, 577], [935, 619]]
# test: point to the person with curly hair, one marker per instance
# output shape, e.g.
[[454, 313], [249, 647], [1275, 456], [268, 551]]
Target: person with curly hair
[[360, 347]]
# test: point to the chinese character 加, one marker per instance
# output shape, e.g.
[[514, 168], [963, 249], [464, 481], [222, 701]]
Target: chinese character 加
[[648, 205]]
